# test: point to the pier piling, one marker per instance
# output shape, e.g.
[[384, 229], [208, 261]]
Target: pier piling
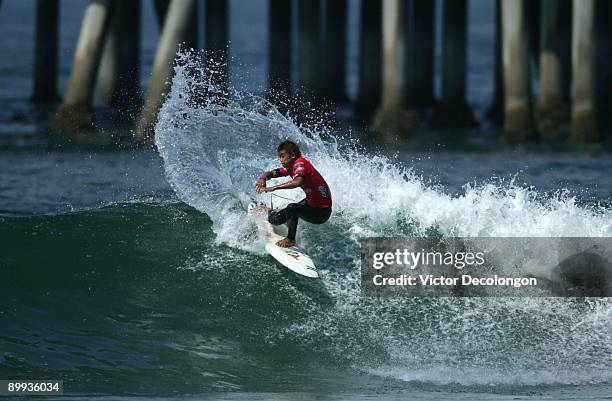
[[174, 31], [454, 110], [420, 68], [118, 76], [45, 52], [279, 52], [584, 127], [517, 102], [334, 62], [161, 9], [192, 35], [496, 109], [552, 110], [604, 62], [217, 36], [193, 29], [370, 55], [309, 49], [531, 13], [75, 114], [392, 117], [566, 42]]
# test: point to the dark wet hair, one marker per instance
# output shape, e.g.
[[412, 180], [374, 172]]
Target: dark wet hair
[[289, 147]]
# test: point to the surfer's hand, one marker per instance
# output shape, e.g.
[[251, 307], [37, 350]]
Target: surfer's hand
[[260, 186], [270, 189]]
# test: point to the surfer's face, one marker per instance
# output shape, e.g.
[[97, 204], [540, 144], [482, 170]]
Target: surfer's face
[[286, 159]]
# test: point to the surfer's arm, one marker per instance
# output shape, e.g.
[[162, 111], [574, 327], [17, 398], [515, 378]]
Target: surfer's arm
[[261, 182], [279, 172], [294, 183]]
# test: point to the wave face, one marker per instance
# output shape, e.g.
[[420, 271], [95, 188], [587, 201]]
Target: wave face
[[166, 296], [121, 293]]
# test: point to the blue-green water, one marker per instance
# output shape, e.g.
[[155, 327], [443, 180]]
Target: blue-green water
[[138, 299]]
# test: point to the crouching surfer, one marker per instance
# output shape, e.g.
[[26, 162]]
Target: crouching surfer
[[315, 208]]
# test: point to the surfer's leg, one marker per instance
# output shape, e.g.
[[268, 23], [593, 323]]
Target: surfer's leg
[[292, 213], [314, 215], [277, 217], [287, 215], [296, 211]]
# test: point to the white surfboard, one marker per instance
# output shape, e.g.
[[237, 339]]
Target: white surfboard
[[294, 258]]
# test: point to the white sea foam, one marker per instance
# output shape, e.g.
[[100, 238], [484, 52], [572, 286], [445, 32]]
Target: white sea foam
[[213, 154]]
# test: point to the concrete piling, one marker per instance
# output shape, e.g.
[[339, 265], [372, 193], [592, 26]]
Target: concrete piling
[[565, 41], [309, 49], [496, 109], [531, 13], [334, 62], [552, 111], [370, 55], [75, 111], [517, 102], [604, 71], [45, 51], [584, 109], [161, 8], [420, 67], [217, 36], [453, 109], [175, 29], [565, 51], [392, 116], [193, 30], [217, 19], [118, 76], [279, 52], [191, 37]]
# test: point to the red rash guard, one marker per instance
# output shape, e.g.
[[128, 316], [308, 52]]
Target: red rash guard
[[317, 190]]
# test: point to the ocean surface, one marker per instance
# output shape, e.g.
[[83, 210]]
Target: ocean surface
[[135, 274]]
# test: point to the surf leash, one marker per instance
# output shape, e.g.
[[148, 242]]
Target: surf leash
[[282, 197], [278, 196]]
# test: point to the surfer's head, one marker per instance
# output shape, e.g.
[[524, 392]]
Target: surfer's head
[[288, 152]]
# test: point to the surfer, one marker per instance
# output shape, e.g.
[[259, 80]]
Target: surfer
[[315, 208]]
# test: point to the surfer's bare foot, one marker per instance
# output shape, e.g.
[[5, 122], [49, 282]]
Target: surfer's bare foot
[[285, 243]]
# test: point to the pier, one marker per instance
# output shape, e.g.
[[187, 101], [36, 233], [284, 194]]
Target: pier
[[551, 80]]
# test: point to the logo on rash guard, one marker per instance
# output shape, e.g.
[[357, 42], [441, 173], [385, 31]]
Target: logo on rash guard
[[323, 191], [299, 168]]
